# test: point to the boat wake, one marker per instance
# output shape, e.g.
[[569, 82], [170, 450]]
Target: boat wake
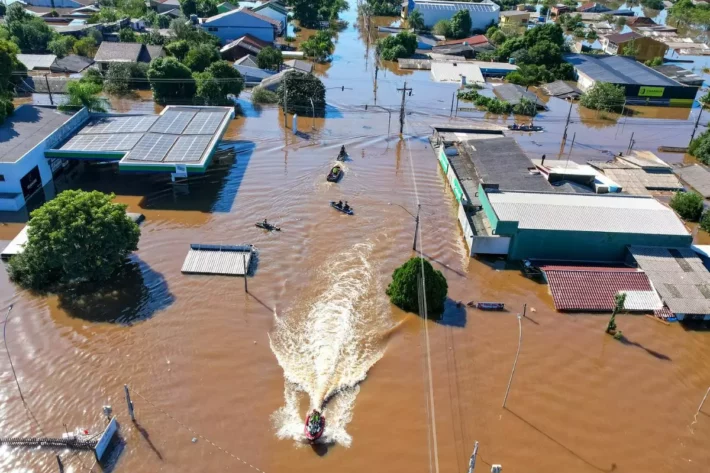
[[327, 343]]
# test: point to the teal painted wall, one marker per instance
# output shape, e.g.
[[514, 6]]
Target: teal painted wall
[[584, 246], [490, 213]]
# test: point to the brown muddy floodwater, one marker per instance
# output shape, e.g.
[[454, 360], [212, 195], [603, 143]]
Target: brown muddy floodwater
[[241, 370]]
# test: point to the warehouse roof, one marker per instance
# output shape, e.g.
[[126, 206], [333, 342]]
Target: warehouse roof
[[684, 76], [586, 213], [618, 70], [591, 288], [28, 126], [484, 6], [679, 276]]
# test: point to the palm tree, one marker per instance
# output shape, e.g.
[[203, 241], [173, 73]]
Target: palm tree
[[415, 20], [83, 94]]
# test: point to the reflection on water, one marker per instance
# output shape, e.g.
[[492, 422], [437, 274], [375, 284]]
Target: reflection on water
[[327, 345]]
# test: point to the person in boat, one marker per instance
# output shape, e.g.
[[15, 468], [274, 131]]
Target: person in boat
[[339, 204], [266, 224], [336, 170], [346, 207], [342, 150], [515, 126]]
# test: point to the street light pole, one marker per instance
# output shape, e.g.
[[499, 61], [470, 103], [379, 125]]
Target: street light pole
[[515, 363]]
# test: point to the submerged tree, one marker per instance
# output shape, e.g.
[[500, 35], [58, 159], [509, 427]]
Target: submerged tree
[[407, 282], [83, 94], [619, 300], [306, 93], [75, 238]]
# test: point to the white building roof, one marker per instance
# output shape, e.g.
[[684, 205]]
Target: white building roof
[[447, 71], [586, 212], [37, 61], [484, 6]]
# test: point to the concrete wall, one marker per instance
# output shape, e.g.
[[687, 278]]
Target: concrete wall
[[468, 234], [236, 24], [13, 172], [456, 187], [11, 203], [479, 20]]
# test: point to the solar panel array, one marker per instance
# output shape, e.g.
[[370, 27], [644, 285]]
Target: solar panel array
[[172, 122], [188, 149], [204, 123], [134, 124], [103, 142], [152, 147]]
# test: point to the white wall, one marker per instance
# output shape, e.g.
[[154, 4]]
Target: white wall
[[13, 172], [236, 24], [479, 20], [584, 81]]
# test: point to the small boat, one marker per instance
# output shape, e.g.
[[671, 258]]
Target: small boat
[[524, 128], [335, 205], [487, 305], [268, 226], [315, 425], [342, 157], [335, 174]]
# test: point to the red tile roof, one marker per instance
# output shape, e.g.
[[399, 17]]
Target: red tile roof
[[471, 41], [592, 288]]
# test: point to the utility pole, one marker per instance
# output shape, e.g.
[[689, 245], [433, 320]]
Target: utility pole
[[697, 122], [472, 461], [401, 109], [520, 341], [285, 105], [569, 114], [571, 146], [49, 90], [416, 228], [453, 97], [631, 143], [129, 403]]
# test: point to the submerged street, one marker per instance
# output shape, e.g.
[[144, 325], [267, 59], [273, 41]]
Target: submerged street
[[237, 372]]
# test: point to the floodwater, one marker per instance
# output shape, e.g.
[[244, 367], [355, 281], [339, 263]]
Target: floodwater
[[238, 372]]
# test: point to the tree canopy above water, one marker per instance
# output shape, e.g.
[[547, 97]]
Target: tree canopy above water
[[404, 288]]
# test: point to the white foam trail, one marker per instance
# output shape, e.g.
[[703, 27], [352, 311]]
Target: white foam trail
[[327, 344]]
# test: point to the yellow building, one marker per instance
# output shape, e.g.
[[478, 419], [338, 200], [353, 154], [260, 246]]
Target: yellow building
[[621, 45], [516, 18]]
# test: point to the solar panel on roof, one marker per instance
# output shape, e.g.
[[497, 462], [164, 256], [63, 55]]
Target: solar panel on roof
[[102, 142], [188, 149], [172, 122], [204, 123], [152, 147], [132, 124]]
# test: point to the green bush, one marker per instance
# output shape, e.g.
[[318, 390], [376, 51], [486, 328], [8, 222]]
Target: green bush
[[269, 58], [700, 148], [443, 28], [118, 78], [76, 237], [604, 96], [656, 61], [393, 47], [689, 205], [403, 291], [302, 88], [261, 96], [705, 222]]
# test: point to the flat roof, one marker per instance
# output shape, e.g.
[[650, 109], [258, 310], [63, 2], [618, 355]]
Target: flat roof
[[501, 161], [618, 70], [697, 176], [27, 127], [179, 135], [679, 276], [453, 71], [607, 213]]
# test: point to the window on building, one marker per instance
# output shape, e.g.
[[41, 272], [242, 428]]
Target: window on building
[[212, 28]]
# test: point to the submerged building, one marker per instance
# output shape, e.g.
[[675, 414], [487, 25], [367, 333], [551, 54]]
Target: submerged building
[[578, 227]]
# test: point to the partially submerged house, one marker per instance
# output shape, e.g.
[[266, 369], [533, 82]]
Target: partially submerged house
[[646, 47], [37, 62], [275, 11], [243, 46], [112, 53], [234, 24], [71, 64], [482, 13]]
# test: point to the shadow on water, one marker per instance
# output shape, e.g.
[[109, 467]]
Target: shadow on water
[[146, 436], [653, 353], [454, 314], [234, 176], [320, 449], [695, 325], [134, 295], [572, 452]]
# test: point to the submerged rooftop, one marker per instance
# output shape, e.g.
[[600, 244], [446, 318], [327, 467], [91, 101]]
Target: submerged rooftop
[[27, 127]]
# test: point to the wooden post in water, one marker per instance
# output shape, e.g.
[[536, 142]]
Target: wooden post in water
[[60, 464], [129, 403], [515, 363], [244, 262], [472, 461]]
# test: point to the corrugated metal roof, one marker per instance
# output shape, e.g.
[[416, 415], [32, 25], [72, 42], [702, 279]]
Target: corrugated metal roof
[[484, 6], [561, 89], [229, 263], [679, 276], [593, 288], [618, 70], [513, 93], [697, 176], [623, 37], [586, 213]]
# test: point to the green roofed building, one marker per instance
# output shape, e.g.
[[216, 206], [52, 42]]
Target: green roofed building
[[578, 227]]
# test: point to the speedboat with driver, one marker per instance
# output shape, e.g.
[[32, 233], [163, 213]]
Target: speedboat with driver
[[315, 425]]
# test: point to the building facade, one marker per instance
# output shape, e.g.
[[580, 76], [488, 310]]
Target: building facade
[[644, 47], [237, 23]]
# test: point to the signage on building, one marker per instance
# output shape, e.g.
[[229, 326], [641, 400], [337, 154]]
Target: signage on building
[[31, 182], [651, 91]]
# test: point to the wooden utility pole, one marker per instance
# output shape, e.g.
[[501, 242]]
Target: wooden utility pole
[[401, 109], [285, 105], [49, 90], [129, 403], [569, 114], [416, 228]]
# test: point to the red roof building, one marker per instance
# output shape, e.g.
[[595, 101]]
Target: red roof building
[[477, 40], [592, 289]]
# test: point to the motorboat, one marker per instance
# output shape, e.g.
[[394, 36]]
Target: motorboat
[[315, 425], [524, 128], [342, 156], [339, 208], [335, 174], [487, 305]]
